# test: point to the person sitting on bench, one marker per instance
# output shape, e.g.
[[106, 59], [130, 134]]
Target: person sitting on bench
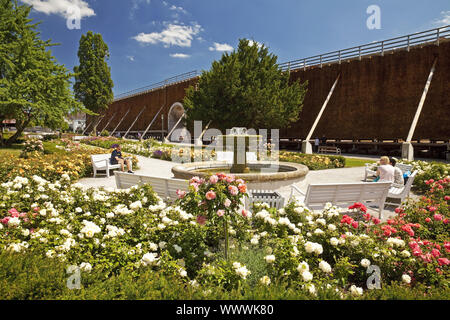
[[398, 174], [116, 158], [385, 171]]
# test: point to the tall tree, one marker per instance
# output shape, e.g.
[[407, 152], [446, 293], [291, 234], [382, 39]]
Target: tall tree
[[34, 88], [246, 88], [93, 84]]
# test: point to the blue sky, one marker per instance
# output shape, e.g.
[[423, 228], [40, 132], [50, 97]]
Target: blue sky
[[151, 40]]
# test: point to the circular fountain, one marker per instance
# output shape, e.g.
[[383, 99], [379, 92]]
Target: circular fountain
[[257, 173]]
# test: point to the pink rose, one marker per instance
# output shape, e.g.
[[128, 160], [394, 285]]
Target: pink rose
[[220, 213], [437, 217], [435, 253], [233, 190], [229, 178], [443, 261], [210, 195], [201, 220], [181, 194], [213, 179], [244, 213], [355, 224], [227, 203], [13, 212]]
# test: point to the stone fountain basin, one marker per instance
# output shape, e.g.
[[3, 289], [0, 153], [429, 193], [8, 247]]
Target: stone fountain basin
[[273, 175]]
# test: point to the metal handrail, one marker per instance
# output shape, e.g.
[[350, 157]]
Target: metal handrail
[[379, 47], [428, 36], [178, 78]]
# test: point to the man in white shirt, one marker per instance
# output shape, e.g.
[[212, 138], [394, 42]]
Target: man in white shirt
[[398, 174]]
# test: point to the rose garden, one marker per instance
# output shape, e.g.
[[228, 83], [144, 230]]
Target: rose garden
[[67, 235]]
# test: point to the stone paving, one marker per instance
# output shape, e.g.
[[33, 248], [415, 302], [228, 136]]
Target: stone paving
[[160, 168]]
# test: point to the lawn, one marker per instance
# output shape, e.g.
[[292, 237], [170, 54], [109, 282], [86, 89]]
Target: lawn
[[354, 162]]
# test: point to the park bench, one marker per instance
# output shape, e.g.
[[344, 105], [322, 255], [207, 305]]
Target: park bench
[[102, 162], [329, 149], [369, 172], [164, 187], [340, 194], [272, 198], [400, 192]]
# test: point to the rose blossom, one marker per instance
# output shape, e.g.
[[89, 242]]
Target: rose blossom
[[220, 212], [227, 203], [213, 179], [210, 195], [233, 190]]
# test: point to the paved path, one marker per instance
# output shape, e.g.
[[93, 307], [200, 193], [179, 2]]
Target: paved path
[[160, 168]]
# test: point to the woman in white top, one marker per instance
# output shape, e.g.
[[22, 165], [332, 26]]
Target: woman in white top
[[385, 171]]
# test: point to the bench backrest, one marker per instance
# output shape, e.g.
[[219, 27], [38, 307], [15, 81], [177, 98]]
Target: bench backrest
[[100, 157], [346, 193], [164, 187]]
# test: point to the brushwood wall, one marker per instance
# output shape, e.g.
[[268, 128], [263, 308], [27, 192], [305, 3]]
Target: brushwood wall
[[376, 97]]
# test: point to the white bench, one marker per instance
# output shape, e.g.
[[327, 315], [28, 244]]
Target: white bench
[[328, 149], [227, 156], [102, 162], [369, 172], [164, 187], [340, 194], [270, 197], [400, 192]]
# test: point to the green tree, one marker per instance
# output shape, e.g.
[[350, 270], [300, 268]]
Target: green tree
[[93, 84], [34, 88], [246, 88]]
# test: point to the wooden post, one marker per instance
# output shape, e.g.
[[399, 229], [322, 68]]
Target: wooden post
[[153, 120], [110, 119], [407, 149], [125, 135], [126, 113], [174, 127]]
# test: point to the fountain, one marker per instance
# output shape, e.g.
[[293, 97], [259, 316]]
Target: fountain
[[258, 174]]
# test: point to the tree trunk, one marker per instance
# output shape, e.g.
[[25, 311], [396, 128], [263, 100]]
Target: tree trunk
[[16, 135]]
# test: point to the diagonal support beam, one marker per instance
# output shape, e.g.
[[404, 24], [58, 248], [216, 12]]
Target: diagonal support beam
[[421, 103], [85, 129], [153, 120], [98, 122], [166, 139], [126, 113], [407, 148], [306, 145], [198, 141], [145, 107], [110, 119]]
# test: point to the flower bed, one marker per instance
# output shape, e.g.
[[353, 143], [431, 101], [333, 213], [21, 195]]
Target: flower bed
[[73, 160], [313, 162], [317, 254], [427, 171], [154, 149]]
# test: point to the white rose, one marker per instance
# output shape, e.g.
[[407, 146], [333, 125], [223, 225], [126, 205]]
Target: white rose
[[324, 266], [307, 276], [265, 280], [406, 278], [270, 258], [334, 241], [365, 263], [86, 267]]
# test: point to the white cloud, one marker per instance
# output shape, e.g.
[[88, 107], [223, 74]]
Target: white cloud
[[180, 55], [251, 43], [63, 8], [221, 47], [178, 9], [172, 35], [444, 19]]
